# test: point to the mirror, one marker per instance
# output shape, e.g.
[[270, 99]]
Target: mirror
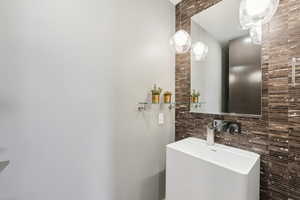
[[225, 63]]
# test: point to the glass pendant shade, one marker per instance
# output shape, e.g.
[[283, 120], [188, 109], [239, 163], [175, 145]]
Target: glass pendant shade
[[199, 51], [253, 12], [181, 42], [256, 34]]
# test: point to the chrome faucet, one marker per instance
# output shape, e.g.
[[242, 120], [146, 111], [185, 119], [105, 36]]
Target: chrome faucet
[[210, 134], [221, 126]]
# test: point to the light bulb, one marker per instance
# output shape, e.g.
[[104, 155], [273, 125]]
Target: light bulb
[[181, 41], [199, 51]]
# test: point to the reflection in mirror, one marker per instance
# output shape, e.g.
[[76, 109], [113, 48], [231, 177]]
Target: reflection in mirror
[[227, 70]]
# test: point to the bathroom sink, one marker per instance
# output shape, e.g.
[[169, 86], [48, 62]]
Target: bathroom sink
[[3, 164], [196, 171]]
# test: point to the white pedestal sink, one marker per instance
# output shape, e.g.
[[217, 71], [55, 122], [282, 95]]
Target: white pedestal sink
[[3, 164], [196, 171]]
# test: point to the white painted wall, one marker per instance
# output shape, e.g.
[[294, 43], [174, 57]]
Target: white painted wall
[[206, 75], [71, 74]]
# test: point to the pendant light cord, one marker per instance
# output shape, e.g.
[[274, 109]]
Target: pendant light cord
[[180, 10]]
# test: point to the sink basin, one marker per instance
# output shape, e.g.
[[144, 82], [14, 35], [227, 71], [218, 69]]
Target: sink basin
[[3, 164], [198, 171]]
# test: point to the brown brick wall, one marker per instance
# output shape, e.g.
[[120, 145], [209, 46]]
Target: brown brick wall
[[276, 136]]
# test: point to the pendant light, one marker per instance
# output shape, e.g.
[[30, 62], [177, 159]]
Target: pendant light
[[253, 12], [181, 40], [199, 51]]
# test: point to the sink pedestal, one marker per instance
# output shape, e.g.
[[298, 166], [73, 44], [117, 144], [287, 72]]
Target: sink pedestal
[[196, 171]]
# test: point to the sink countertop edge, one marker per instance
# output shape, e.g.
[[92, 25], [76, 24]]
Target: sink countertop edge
[[223, 147]]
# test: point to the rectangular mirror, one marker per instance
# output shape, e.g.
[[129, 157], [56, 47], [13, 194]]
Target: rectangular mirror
[[225, 63]]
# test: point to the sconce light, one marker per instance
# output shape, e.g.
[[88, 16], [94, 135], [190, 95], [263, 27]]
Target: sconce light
[[253, 14], [181, 42], [199, 51]]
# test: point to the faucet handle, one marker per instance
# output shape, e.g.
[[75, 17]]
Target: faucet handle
[[226, 126], [233, 128]]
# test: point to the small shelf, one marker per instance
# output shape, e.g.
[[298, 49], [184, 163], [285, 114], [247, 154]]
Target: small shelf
[[174, 103], [142, 105]]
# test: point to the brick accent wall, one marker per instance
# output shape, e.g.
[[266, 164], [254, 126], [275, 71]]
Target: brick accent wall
[[276, 136]]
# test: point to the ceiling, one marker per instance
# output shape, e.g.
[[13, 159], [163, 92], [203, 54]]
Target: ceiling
[[221, 20], [175, 1]]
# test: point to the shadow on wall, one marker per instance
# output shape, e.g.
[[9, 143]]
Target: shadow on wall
[[154, 183], [139, 159]]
